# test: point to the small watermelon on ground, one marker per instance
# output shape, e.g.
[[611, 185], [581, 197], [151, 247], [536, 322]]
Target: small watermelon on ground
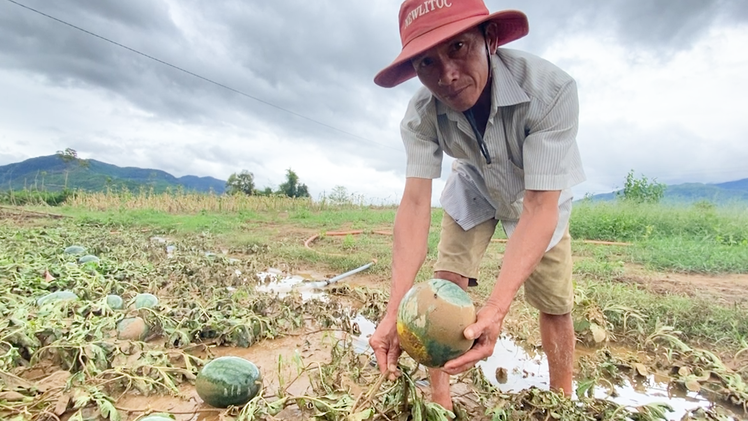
[[161, 416], [132, 329], [145, 300], [115, 302], [89, 258], [431, 320], [75, 250], [227, 381], [57, 296]]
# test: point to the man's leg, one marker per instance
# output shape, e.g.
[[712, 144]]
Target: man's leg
[[459, 256], [549, 289], [557, 334]]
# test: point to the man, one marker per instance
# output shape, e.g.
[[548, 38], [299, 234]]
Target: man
[[510, 120]]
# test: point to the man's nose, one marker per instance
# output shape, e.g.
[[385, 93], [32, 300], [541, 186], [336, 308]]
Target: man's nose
[[448, 74]]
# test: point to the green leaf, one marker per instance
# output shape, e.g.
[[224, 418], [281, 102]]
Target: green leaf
[[581, 325], [108, 410], [585, 387], [361, 415], [434, 411]]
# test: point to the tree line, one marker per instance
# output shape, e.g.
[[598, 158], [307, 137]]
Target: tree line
[[244, 183]]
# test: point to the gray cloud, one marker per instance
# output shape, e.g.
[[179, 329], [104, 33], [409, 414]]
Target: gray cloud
[[660, 26], [667, 153], [315, 59], [288, 55]]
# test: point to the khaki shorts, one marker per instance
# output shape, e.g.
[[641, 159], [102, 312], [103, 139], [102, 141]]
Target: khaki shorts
[[549, 287]]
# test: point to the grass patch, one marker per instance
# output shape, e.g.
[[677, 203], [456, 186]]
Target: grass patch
[[690, 256], [699, 238], [621, 221], [597, 269], [197, 305], [699, 319], [163, 221]]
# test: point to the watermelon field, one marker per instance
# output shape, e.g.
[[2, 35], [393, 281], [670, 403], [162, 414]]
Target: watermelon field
[[113, 306]]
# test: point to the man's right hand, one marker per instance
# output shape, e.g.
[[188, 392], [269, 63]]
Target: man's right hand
[[386, 346]]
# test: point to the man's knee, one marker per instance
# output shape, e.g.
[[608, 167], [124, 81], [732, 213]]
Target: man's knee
[[554, 318], [458, 279]]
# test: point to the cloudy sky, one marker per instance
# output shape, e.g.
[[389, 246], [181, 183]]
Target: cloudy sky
[[271, 85]]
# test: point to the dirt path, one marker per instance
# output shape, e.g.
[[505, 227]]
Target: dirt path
[[727, 289]]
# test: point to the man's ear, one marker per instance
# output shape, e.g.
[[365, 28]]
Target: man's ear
[[491, 32]]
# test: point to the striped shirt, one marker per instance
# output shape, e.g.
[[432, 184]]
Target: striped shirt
[[530, 136]]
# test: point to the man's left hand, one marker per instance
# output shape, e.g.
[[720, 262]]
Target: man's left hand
[[485, 331]]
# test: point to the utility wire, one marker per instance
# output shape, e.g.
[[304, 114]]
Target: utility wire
[[200, 77]]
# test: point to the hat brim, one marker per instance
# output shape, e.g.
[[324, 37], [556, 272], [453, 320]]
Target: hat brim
[[512, 26]]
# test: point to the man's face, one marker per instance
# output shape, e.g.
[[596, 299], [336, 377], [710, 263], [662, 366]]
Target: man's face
[[455, 71]]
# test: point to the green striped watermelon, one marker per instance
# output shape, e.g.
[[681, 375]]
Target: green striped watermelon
[[57, 296], [227, 381], [75, 250], [145, 300], [89, 258], [115, 302]]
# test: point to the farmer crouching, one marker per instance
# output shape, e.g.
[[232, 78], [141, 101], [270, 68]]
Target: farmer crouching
[[509, 119]]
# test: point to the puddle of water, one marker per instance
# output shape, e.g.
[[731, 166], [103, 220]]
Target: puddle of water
[[631, 395], [271, 282], [511, 369], [169, 248], [277, 360], [361, 341]]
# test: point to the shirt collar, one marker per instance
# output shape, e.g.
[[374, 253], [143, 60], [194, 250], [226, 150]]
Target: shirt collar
[[504, 88]]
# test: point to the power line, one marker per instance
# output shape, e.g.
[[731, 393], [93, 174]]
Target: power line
[[199, 76]]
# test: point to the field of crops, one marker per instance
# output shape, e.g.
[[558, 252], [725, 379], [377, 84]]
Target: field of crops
[[665, 305]]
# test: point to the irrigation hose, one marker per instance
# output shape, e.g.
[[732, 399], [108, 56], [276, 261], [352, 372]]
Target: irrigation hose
[[321, 284]]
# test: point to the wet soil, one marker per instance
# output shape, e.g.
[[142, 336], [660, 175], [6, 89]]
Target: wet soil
[[277, 360]]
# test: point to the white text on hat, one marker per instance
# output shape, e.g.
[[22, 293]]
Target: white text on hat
[[422, 9]]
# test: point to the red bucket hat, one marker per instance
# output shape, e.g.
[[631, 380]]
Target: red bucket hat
[[426, 23]]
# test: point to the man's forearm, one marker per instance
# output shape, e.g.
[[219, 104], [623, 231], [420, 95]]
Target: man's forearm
[[409, 249]]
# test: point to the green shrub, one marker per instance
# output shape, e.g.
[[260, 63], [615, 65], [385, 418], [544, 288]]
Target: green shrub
[[35, 197]]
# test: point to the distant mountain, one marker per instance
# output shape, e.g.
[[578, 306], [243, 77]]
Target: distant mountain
[[727, 193], [735, 185], [53, 173]]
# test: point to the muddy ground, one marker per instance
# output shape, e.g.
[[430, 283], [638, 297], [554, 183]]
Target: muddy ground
[[275, 357]]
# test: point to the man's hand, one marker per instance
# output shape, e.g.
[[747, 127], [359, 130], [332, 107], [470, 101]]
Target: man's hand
[[486, 331], [386, 346]]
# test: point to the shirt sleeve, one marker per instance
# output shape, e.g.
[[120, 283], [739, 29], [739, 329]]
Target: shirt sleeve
[[551, 155], [420, 137]]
